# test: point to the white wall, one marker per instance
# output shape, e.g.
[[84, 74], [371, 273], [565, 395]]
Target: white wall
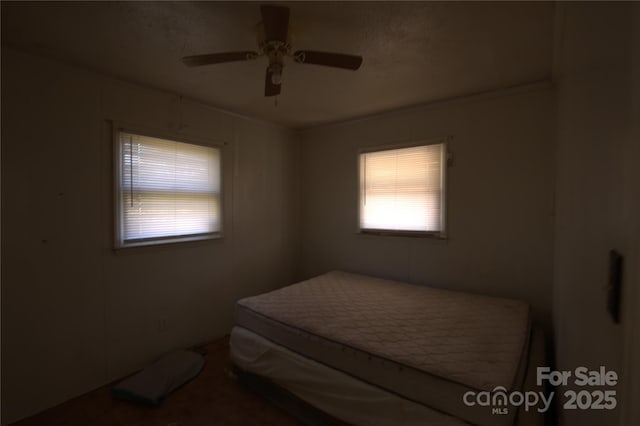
[[76, 315], [597, 190], [631, 409], [500, 198]]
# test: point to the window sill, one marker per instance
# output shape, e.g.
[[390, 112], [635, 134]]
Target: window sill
[[411, 234], [166, 242]]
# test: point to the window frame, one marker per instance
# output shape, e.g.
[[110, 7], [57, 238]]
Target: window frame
[[442, 234], [118, 229]]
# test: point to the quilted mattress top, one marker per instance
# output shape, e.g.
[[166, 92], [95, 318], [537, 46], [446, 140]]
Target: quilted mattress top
[[474, 340]]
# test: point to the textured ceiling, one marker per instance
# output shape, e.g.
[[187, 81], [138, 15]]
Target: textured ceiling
[[413, 52]]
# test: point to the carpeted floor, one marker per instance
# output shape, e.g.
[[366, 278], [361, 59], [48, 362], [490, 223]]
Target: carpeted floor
[[213, 398]]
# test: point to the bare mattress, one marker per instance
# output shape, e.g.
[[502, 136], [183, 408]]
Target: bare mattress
[[424, 344]]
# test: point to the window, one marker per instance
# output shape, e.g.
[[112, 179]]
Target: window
[[167, 191], [402, 190]]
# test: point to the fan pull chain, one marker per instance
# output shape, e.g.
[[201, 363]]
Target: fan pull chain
[[181, 122]]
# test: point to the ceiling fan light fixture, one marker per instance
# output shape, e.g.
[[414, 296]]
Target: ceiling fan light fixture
[[276, 73]]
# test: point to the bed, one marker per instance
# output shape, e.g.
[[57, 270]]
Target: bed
[[372, 351]]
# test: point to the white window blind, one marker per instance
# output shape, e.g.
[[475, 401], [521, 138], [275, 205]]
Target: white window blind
[[403, 189], [168, 190]]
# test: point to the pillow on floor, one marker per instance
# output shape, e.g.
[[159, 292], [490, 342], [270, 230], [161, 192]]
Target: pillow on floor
[[155, 382]]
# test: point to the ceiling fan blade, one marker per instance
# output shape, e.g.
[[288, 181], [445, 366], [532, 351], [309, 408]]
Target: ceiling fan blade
[[276, 22], [270, 89], [217, 58], [337, 60]]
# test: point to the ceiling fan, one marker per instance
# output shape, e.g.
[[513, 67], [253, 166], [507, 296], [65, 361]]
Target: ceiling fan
[[275, 46]]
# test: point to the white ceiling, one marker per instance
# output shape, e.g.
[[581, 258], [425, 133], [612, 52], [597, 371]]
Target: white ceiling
[[413, 52]]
